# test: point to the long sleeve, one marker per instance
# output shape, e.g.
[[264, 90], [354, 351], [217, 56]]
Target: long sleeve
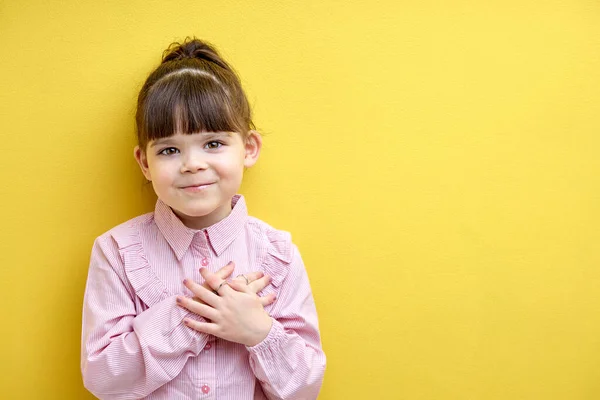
[[125, 355], [290, 362]]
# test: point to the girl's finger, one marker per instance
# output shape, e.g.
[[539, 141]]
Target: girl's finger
[[260, 284], [223, 273], [251, 276], [242, 278], [197, 308], [268, 299], [202, 293], [240, 286], [226, 271], [215, 283], [204, 327]]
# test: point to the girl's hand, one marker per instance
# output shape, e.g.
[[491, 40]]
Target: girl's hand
[[236, 313], [255, 283]]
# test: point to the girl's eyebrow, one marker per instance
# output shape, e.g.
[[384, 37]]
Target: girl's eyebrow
[[160, 142], [209, 134]]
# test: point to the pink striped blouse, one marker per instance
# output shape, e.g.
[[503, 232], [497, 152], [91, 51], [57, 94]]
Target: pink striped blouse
[[134, 342]]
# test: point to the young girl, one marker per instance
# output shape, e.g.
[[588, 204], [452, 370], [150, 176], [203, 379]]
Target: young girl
[[161, 319]]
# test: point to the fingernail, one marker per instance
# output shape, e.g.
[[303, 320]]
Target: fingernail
[[179, 300], [185, 321], [185, 281]]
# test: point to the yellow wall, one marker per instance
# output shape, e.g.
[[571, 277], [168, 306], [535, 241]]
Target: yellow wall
[[436, 162]]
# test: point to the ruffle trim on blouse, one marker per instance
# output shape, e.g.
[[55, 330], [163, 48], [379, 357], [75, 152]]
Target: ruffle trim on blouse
[[151, 290], [148, 287], [279, 255]]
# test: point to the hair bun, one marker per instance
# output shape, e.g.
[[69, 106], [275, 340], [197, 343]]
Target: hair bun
[[193, 48]]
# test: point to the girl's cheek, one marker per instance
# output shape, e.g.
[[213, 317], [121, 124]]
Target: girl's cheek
[[163, 165]]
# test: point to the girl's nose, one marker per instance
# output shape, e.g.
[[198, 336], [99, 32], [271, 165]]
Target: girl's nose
[[194, 162]]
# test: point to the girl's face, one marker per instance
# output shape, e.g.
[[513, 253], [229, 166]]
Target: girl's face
[[197, 175]]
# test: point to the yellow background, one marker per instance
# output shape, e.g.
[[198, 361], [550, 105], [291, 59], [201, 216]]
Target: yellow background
[[436, 162]]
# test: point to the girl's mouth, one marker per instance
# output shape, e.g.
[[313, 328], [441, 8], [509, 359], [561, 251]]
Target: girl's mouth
[[196, 188]]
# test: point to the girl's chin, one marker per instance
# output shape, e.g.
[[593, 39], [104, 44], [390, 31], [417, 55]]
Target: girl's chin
[[193, 213], [201, 215]]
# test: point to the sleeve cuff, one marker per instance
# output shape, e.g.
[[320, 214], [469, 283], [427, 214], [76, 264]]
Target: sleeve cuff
[[275, 334]]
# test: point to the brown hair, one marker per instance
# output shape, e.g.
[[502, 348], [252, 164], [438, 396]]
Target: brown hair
[[193, 90]]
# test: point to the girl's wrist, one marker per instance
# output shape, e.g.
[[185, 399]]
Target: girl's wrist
[[261, 334]]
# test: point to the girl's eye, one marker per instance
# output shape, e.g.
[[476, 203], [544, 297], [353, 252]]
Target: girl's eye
[[213, 145], [168, 151]]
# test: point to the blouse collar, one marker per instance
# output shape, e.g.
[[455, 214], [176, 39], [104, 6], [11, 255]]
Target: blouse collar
[[219, 235]]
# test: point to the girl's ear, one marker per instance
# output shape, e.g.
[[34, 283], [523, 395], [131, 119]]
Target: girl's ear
[[252, 148], [140, 157]]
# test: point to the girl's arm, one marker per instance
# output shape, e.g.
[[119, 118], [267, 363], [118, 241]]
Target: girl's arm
[[290, 362], [125, 355]]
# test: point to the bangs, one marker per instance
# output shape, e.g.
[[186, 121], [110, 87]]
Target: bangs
[[187, 102]]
